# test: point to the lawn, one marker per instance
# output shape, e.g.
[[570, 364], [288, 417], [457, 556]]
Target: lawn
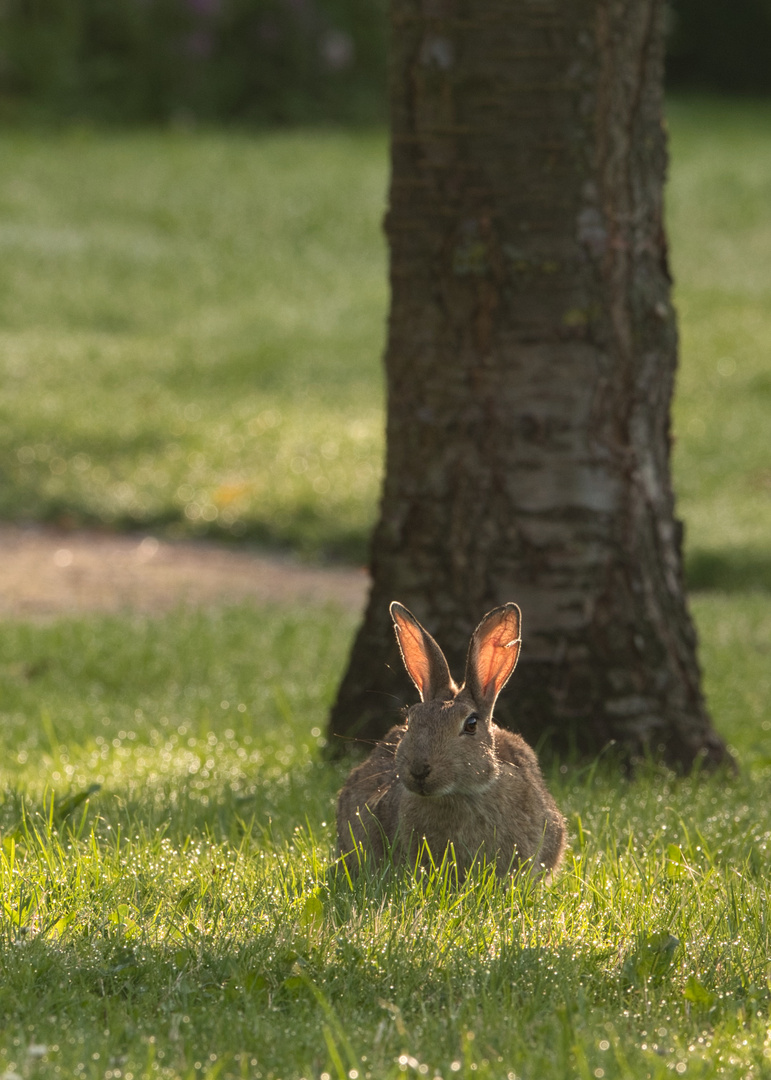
[[190, 333], [719, 202], [191, 327], [166, 816], [167, 833]]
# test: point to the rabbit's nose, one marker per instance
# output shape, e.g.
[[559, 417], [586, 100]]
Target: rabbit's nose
[[420, 772]]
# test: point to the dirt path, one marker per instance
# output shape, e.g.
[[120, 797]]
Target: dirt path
[[45, 572]]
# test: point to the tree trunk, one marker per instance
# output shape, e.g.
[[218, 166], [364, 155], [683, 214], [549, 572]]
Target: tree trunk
[[530, 365]]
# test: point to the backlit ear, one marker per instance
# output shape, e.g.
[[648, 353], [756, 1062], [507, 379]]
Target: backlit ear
[[423, 659], [493, 653]]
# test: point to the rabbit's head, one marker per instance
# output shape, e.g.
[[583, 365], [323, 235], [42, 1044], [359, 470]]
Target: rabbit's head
[[448, 747]]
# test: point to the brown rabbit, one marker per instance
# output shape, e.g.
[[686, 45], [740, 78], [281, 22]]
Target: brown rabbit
[[450, 775]]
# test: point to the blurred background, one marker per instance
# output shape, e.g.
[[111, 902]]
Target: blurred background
[[280, 61], [193, 279], [139, 61]]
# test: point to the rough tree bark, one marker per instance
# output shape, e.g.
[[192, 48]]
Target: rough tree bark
[[530, 365]]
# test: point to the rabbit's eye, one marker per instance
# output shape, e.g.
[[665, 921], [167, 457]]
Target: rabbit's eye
[[471, 724]]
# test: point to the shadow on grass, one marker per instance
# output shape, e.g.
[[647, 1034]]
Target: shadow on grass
[[729, 570]]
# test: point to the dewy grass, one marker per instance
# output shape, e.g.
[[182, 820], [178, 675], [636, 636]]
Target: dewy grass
[[171, 906]]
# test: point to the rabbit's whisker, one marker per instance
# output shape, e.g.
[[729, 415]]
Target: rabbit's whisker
[[359, 741]]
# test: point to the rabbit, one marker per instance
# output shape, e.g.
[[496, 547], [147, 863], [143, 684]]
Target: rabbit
[[450, 775]]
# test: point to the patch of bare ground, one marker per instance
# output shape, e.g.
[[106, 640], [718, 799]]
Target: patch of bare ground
[[45, 572]]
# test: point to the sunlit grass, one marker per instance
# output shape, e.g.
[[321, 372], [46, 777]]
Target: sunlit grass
[[169, 907]]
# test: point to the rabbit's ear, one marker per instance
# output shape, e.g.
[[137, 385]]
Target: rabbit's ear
[[422, 657], [493, 653]]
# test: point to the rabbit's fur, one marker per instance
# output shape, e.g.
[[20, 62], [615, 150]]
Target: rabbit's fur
[[450, 775]]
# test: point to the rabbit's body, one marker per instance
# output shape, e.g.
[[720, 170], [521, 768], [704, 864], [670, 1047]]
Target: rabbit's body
[[450, 775]]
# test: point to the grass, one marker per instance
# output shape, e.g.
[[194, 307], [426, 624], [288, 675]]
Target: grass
[[719, 203], [166, 816], [166, 836], [190, 332]]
